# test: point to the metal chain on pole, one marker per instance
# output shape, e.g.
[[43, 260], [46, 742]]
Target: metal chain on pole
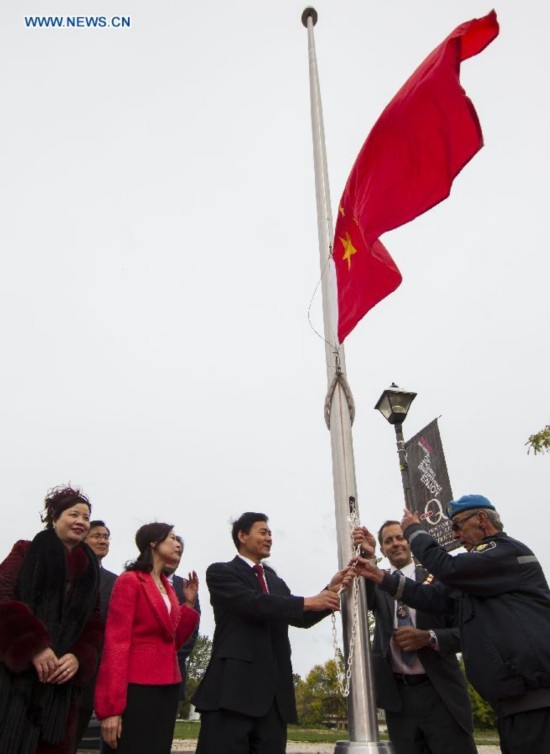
[[344, 679]]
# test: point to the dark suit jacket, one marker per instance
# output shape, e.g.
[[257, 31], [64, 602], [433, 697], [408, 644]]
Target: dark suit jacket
[[441, 666], [183, 652], [250, 664], [106, 582]]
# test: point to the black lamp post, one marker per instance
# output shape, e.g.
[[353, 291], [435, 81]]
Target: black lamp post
[[394, 405]]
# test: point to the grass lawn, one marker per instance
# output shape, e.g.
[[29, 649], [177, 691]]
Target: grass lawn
[[316, 735], [185, 729], [188, 730]]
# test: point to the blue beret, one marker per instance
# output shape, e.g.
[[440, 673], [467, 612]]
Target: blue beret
[[467, 503]]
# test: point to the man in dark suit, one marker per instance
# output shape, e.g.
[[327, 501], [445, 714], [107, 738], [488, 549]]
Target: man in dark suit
[[98, 540], [417, 678], [246, 697], [180, 584]]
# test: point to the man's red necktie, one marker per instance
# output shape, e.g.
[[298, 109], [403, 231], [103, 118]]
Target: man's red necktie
[[259, 571]]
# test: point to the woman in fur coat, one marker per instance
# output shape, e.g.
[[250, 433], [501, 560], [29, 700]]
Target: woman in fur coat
[[50, 629], [136, 693]]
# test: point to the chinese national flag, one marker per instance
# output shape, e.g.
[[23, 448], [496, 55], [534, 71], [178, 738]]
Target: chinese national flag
[[422, 140]]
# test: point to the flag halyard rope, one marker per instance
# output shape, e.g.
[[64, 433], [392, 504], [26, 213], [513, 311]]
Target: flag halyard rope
[[339, 379], [312, 299]]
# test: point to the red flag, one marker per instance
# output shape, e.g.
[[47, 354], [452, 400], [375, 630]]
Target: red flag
[[422, 140]]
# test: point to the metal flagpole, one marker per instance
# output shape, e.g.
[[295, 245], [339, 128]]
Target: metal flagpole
[[363, 728]]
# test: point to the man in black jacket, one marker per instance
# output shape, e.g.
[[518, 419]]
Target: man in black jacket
[[246, 697], [98, 540], [501, 601], [417, 677]]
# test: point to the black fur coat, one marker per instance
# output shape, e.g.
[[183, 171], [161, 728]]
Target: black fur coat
[[48, 598]]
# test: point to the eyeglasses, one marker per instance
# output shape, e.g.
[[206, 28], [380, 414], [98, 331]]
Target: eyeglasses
[[457, 525], [106, 537]]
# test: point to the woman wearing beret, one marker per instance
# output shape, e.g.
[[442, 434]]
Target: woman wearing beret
[[136, 694], [50, 629]]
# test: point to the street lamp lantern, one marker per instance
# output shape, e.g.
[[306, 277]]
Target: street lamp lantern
[[394, 404]]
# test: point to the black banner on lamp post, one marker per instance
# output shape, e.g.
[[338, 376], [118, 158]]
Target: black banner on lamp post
[[430, 485]]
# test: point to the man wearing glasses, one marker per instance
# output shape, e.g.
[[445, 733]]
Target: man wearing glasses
[[98, 540], [417, 678], [500, 598]]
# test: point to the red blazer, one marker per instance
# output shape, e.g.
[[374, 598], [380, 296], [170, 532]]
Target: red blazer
[[141, 640]]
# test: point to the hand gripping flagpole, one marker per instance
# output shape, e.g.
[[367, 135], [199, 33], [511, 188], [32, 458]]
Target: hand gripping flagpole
[[363, 728]]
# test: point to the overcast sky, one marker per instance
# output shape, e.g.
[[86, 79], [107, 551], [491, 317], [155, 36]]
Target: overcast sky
[[159, 252]]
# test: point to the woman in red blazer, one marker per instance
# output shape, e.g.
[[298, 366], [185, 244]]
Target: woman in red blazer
[[136, 693]]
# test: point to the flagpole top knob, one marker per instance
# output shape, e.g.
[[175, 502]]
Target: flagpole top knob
[[309, 13]]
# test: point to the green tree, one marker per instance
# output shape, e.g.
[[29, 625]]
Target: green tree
[[318, 698], [197, 662], [484, 716], [540, 442]]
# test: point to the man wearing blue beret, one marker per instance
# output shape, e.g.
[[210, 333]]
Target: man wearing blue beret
[[499, 597]]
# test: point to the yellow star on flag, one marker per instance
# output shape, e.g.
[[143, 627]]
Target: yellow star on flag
[[349, 249]]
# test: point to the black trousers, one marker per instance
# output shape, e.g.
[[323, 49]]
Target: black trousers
[[148, 721], [84, 717], [525, 732], [425, 726], [223, 731]]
